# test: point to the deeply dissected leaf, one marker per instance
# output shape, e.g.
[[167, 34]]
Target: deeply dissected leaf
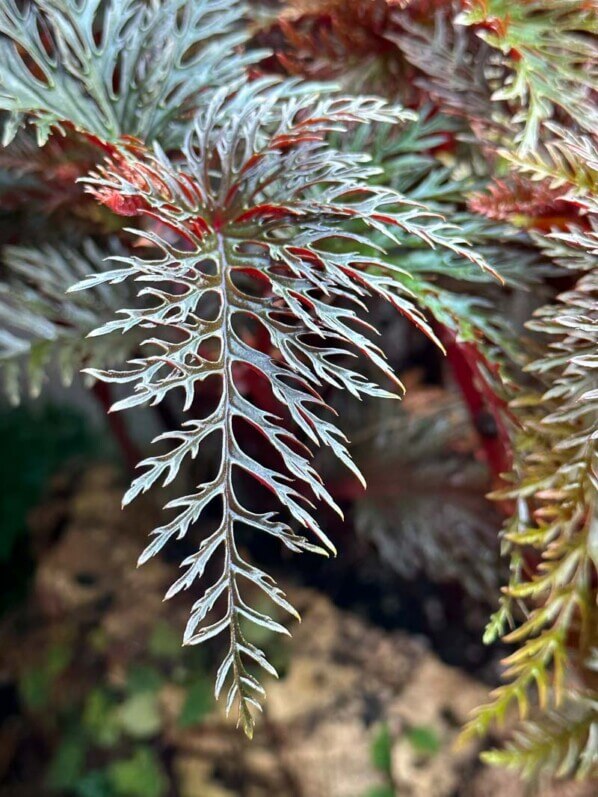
[[556, 470], [42, 326], [265, 230], [118, 67], [269, 237], [566, 742], [550, 50]]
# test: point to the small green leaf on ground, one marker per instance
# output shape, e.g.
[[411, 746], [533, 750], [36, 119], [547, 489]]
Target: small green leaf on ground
[[165, 642], [35, 684], [381, 750], [68, 763], [100, 718], [94, 784], [423, 740], [381, 791], [198, 703], [144, 678]]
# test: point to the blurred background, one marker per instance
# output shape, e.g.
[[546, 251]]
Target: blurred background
[[97, 696], [99, 699]]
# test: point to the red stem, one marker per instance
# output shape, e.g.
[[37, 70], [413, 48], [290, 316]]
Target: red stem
[[484, 405]]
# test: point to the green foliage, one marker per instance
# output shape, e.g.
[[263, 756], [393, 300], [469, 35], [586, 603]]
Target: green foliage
[[382, 750], [139, 715], [164, 642], [549, 49], [68, 763], [44, 328], [115, 68], [556, 468], [424, 740], [138, 776], [566, 159], [563, 743], [95, 783], [381, 791], [381, 755], [144, 678], [525, 88], [469, 307], [99, 718], [37, 682], [263, 237], [198, 702], [107, 737]]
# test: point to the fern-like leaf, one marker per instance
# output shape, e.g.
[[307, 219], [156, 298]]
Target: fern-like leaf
[[550, 51], [557, 473], [263, 229], [456, 70], [565, 159], [348, 41], [564, 744], [42, 326], [425, 507], [118, 67]]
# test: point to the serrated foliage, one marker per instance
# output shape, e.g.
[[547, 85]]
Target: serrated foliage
[[565, 159], [469, 308], [455, 68], [564, 744], [279, 231], [556, 515], [115, 68], [523, 203], [346, 40], [43, 178], [550, 51], [42, 327], [263, 237], [525, 91]]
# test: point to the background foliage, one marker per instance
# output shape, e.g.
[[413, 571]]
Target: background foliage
[[273, 214]]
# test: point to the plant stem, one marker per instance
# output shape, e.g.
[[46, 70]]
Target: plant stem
[[488, 411]]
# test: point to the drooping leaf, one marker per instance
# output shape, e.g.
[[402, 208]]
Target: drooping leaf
[[267, 246]]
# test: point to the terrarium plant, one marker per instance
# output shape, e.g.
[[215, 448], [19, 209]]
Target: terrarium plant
[[203, 206]]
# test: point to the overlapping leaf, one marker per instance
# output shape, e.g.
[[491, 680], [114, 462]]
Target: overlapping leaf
[[119, 67], [556, 498], [564, 743], [550, 50], [264, 233], [425, 507], [42, 326]]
